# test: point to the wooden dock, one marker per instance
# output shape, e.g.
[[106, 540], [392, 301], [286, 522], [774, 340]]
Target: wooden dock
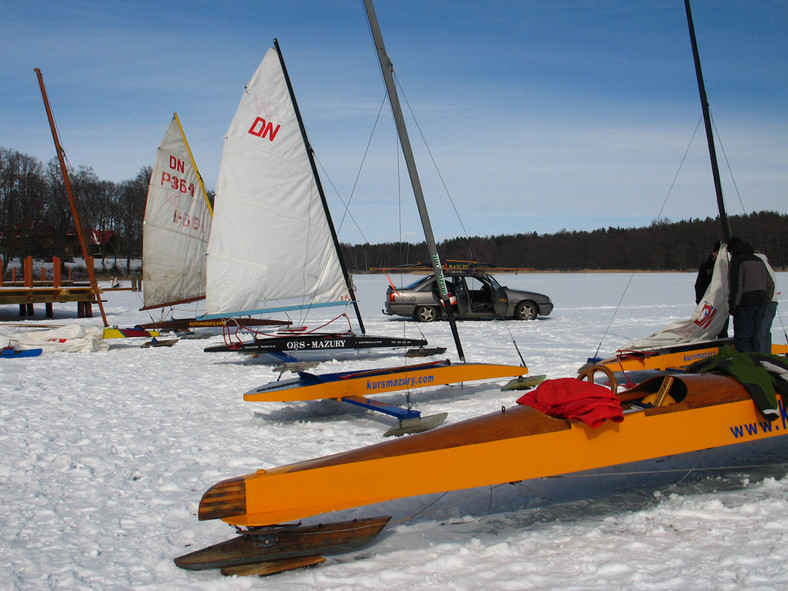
[[27, 297], [28, 292]]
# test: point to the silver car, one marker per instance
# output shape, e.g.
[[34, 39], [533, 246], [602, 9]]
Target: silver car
[[473, 296]]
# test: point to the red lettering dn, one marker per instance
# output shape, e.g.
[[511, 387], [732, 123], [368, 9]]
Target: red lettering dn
[[262, 128], [177, 164]]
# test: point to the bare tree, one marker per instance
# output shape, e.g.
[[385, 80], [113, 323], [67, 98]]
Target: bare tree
[[131, 211], [21, 203]]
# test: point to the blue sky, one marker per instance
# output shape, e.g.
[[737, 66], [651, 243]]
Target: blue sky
[[540, 115]]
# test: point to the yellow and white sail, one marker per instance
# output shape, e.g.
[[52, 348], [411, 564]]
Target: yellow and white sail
[[176, 227]]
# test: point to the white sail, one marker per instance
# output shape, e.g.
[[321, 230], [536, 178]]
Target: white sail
[[271, 247], [176, 227], [707, 319]]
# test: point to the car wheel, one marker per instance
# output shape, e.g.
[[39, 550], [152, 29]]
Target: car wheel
[[526, 310], [425, 313]]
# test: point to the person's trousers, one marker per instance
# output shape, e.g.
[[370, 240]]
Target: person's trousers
[[747, 322], [765, 328]]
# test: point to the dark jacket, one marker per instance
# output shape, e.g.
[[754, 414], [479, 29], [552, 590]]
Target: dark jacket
[[750, 282], [703, 280]]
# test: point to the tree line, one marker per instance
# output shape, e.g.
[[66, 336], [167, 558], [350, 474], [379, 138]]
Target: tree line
[[35, 219], [662, 246]]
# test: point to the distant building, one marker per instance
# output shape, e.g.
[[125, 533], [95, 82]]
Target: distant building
[[39, 239], [101, 243]]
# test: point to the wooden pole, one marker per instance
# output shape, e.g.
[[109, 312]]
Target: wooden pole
[[57, 277], [82, 242], [27, 274]]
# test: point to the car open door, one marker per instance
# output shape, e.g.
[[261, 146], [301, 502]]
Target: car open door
[[463, 297], [501, 301], [480, 296]]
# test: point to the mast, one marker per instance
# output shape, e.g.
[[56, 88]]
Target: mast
[[704, 102], [71, 200], [194, 164], [308, 146], [387, 67]]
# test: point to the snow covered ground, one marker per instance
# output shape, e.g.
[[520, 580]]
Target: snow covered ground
[[105, 456]]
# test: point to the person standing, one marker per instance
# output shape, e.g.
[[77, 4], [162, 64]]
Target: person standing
[[705, 272], [703, 280], [751, 289]]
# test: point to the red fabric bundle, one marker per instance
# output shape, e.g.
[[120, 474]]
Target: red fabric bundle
[[569, 398]]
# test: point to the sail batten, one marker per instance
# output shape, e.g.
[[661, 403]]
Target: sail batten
[[176, 227], [271, 240]]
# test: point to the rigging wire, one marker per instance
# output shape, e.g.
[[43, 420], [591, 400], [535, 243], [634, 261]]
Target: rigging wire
[[732, 177], [728, 165], [659, 216], [346, 204], [678, 170], [613, 317], [780, 316], [64, 154], [437, 169], [472, 250], [347, 212], [739, 197]]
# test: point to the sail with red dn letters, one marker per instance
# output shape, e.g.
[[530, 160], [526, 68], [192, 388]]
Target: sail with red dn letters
[[273, 247], [177, 225]]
